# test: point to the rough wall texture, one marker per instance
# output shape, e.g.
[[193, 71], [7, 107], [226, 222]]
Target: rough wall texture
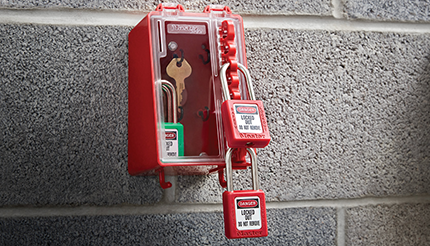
[[64, 117], [364, 133], [316, 227], [267, 7], [388, 10], [389, 225], [349, 114]]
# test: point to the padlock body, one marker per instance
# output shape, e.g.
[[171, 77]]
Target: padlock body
[[244, 214], [174, 141], [245, 124]]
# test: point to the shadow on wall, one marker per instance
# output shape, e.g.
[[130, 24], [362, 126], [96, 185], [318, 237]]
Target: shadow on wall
[[403, 165], [413, 134]]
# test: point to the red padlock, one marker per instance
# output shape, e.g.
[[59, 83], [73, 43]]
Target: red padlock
[[244, 121], [244, 210]]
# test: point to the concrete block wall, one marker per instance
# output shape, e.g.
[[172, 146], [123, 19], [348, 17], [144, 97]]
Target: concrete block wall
[[346, 87]]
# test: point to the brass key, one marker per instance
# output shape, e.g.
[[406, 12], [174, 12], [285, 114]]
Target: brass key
[[179, 74]]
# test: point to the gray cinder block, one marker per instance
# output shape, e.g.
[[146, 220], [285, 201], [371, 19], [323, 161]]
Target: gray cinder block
[[199, 189], [307, 226], [308, 7], [63, 98], [403, 224], [348, 114], [397, 10]]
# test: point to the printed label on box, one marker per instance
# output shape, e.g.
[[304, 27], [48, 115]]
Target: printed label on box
[[186, 29]]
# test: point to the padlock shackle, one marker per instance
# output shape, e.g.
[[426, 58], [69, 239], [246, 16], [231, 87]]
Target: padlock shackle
[[171, 94], [166, 91], [229, 169], [224, 83]]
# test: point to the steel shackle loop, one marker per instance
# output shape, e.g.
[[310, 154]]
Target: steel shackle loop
[[229, 169], [224, 83], [166, 90], [171, 94]]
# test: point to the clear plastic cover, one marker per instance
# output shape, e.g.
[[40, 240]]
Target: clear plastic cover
[[186, 53]]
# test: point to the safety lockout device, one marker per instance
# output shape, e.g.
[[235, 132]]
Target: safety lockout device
[[245, 123], [174, 141], [187, 50], [192, 106], [244, 210]]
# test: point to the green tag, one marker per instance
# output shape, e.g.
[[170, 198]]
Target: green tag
[[174, 139]]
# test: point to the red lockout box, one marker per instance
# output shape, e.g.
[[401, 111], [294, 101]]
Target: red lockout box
[[190, 40]]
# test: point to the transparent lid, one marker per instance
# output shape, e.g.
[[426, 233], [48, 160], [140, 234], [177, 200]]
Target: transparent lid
[[187, 55]]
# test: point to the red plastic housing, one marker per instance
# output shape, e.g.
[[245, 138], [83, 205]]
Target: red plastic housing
[[244, 214], [142, 131], [245, 124], [149, 54]]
